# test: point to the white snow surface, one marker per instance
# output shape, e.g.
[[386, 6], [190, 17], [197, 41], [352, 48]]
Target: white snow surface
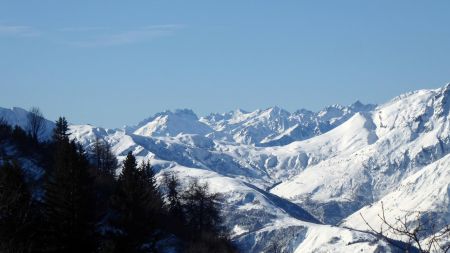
[[261, 222], [275, 168], [411, 132], [424, 194]]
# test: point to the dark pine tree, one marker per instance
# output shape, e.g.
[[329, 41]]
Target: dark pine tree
[[203, 220], [22, 140], [103, 158], [16, 211], [138, 206], [61, 131], [5, 131], [201, 208], [176, 222], [69, 205], [104, 165]]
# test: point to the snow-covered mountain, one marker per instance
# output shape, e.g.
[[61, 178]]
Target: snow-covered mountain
[[271, 127], [424, 195], [409, 132], [298, 181], [275, 126], [18, 116], [171, 124]]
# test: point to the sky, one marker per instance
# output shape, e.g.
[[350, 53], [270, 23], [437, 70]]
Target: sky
[[111, 63]]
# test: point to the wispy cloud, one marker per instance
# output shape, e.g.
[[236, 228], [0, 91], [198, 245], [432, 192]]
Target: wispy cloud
[[93, 36], [18, 31], [83, 29], [130, 36]]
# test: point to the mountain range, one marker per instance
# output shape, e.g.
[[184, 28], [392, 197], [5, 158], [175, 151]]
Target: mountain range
[[302, 181]]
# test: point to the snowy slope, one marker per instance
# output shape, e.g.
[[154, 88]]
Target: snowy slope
[[260, 166], [261, 222], [331, 175], [411, 131], [254, 216], [275, 126], [332, 164], [172, 123], [18, 116], [282, 163], [427, 192]]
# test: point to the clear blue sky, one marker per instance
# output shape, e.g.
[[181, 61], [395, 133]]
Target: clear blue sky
[[112, 63]]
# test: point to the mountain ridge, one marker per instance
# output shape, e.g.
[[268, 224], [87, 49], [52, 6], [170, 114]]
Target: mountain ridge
[[332, 164]]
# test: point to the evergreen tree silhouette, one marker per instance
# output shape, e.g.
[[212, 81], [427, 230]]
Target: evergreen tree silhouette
[[103, 158], [17, 219], [201, 208], [176, 221], [69, 205], [138, 207]]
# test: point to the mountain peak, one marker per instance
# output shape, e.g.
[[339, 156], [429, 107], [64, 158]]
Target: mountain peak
[[240, 111], [445, 89], [357, 103], [182, 113], [276, 111], [170, 123], [186, 113]]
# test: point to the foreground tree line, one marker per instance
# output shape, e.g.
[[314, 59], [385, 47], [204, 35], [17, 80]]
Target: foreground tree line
[[79, 205]]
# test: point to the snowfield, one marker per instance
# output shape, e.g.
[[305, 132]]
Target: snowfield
[[299, 182], [425, 194]]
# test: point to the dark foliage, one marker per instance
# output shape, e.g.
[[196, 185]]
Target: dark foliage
[[68, 203], [103, 158], [17, 218], [200, 208], [24, 145], [195, 216], [174, 205], [83, 207], [137, 207], [36, 123], [210, 242]]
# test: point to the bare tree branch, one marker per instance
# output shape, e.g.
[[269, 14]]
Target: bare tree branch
[[413, 231], [36, 123]]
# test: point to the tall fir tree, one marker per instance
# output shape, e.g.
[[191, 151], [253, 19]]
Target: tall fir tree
[[104, 165], [103, 158], [69, 201], [61, 130], [176, 223], [201, 208], [153, 203], [203, 220], [138, 206]]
